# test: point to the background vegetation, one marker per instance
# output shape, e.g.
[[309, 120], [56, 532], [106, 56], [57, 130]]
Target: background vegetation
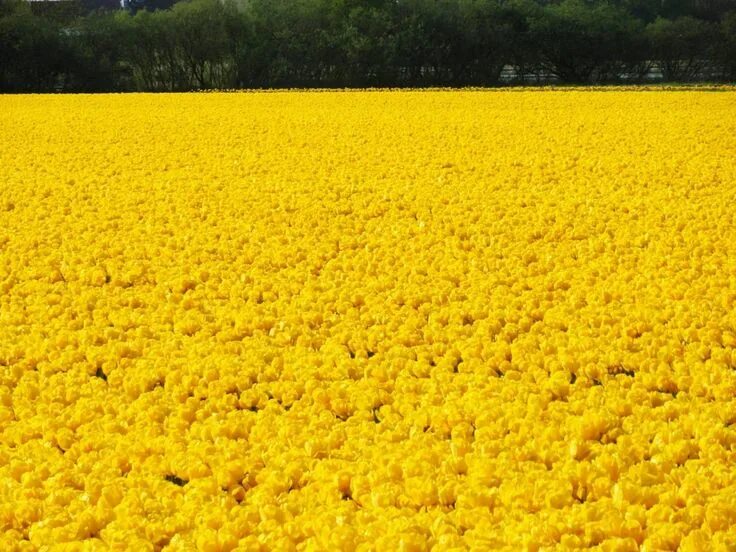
[[202, 44]]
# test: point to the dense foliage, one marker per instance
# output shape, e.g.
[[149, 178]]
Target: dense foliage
[[201, 44]]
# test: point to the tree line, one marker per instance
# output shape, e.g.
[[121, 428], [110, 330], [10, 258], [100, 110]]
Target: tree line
[[216, 44]]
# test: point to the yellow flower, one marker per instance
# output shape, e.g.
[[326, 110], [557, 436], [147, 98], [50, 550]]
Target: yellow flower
[[375, 320]]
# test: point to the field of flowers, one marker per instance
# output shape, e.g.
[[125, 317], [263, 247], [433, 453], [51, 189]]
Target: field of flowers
[[368, 320]]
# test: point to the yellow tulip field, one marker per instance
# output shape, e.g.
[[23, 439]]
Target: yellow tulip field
[[370, 320]]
